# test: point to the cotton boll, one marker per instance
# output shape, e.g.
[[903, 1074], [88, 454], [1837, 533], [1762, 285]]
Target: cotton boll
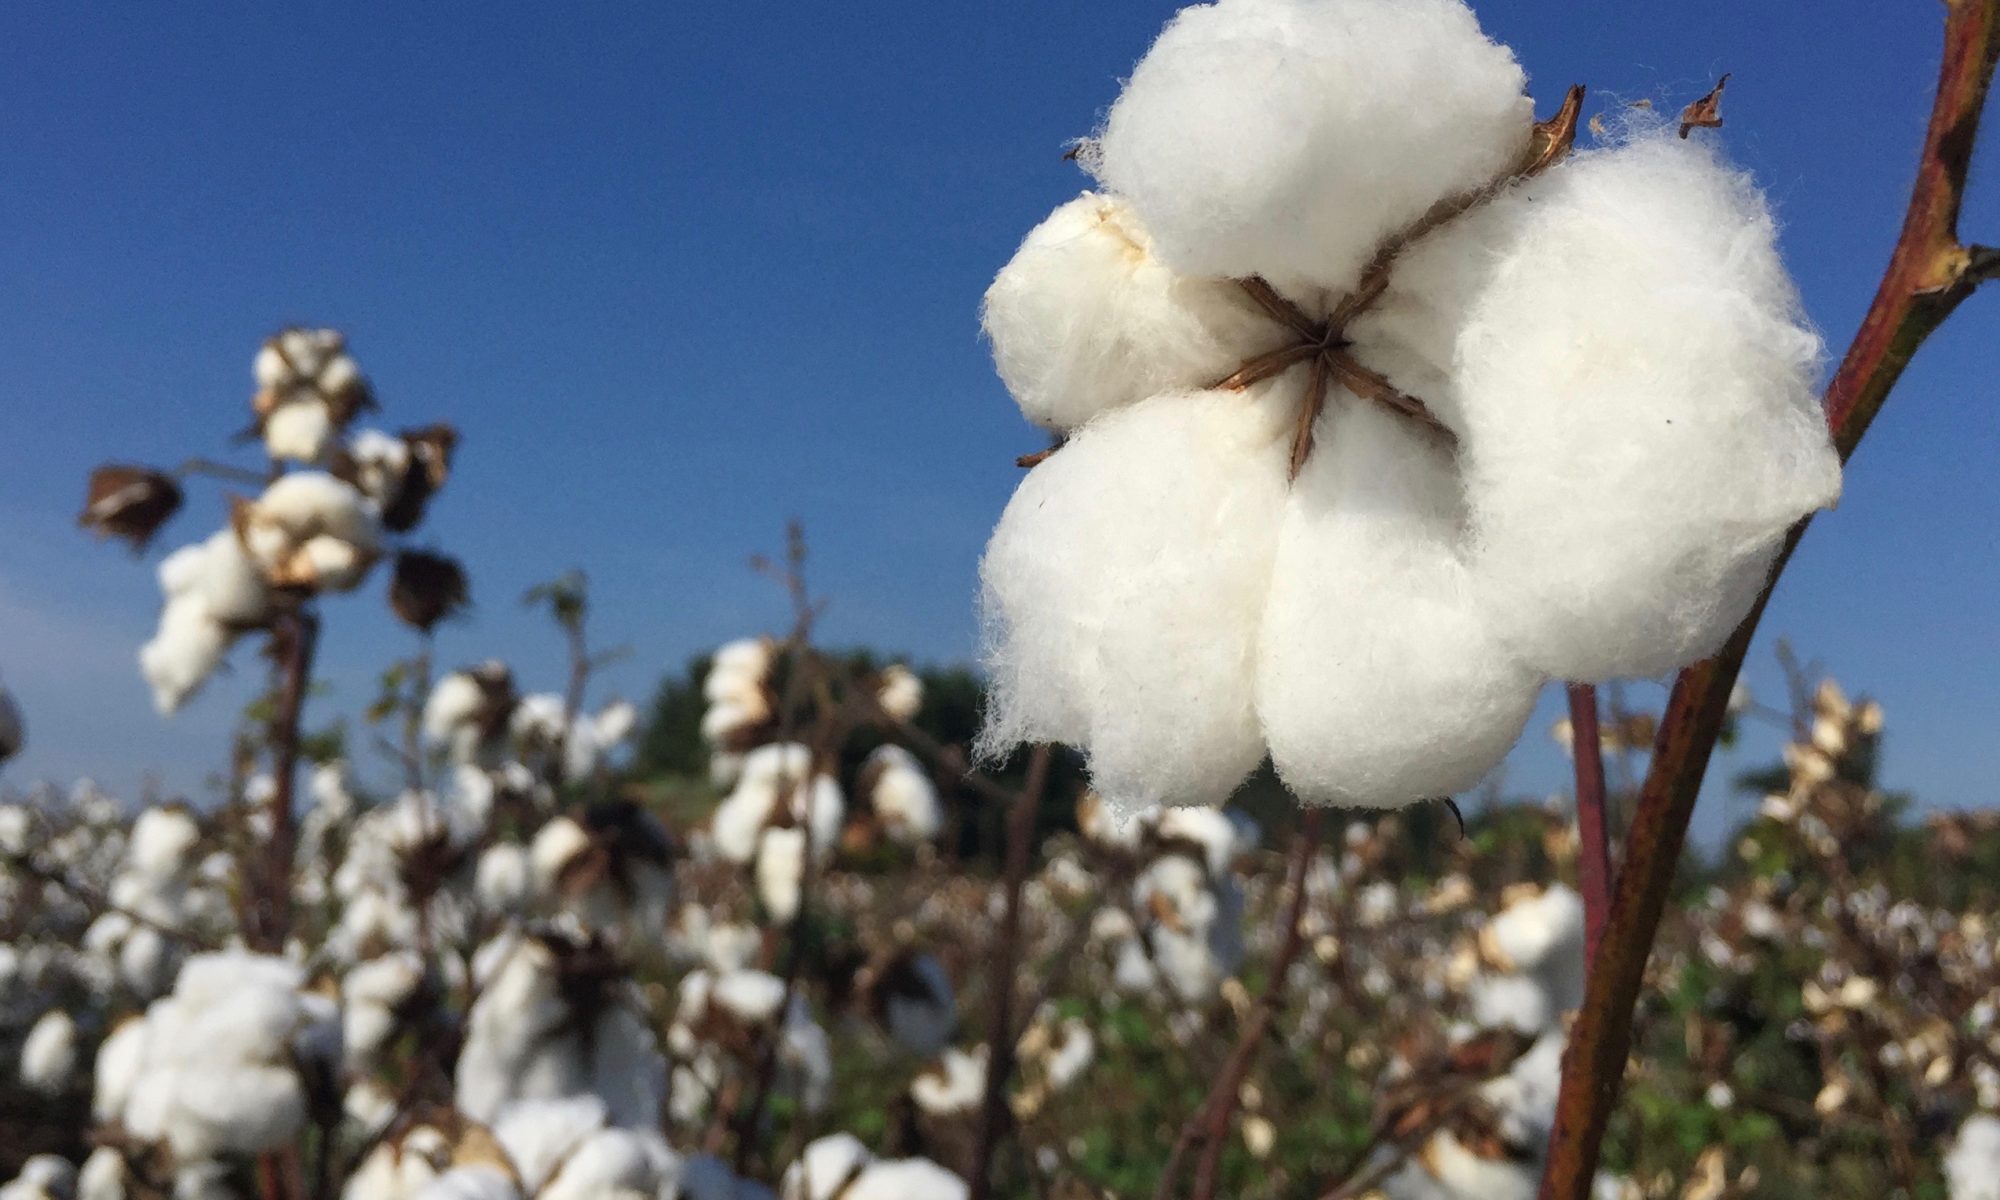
[[539, 1134], [504, 878], [455, 701], [1381, 682], [1123, 590], [827, 1165], [182, 655], [956, 1083], [49, 1054], [1972, 1165], [471, 1183], [1288, 138], [162, 842], [902, 795], [615, 1162], [300, 431], [42, 1177], [229, 585], [1447, 1169], [307, 502], [781, 866], [1085, 319], [1640, 424], [1210, 830], [906, 1179], [120, 1058], [102, 1176]]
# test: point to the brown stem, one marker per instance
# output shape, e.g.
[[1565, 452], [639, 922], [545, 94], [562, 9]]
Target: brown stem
[[1209, 1125], [1372, 385], [1928, 275], [293, 638], [1593, 843], [1000, 1052]]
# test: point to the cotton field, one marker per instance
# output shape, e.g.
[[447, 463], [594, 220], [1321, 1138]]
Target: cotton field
[[1380, 408]]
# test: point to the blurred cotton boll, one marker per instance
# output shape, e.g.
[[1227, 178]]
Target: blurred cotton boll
[[13, 728], [49, 1054]]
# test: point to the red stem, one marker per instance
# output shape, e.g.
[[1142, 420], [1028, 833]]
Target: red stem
[[1593, 849], [1928, 275]]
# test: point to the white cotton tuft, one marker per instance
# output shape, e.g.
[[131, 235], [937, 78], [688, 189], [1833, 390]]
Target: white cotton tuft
[[1380, 681], [1640, 423], [1123, 590], [827, 1165], [1085, 319], [1972, 1166], [906, 1179], [903, 797], [186, 650], [781, 869], [1288, 138], [300, 430], [49, 1054]]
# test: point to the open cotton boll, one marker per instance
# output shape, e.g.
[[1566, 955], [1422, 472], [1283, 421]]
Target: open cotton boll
[[1380, 679], [1972, 1166], [781, 868], [307, 502], [539, 1134], [186, 650], [1640, 422], [1123, 589], [827, 1165], [300, 430], [1085, 319], [49, 1054], [1288, 138], [902, 795], [471, 1183]]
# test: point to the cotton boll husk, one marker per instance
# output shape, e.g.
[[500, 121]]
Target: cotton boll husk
[[299, 430], [1640, 426], [1381, 681], [1085, 319], [1288, 138], [1123, 589]]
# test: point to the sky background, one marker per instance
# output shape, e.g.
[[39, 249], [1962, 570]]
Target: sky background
[[680, 273]]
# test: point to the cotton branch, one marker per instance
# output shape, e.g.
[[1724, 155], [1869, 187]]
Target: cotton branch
[[1001, 1036], [1930, 272], [293, 641], [1593, 849], [1209, 1126]]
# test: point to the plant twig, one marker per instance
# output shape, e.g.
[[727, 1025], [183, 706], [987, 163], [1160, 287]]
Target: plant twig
[[1000, 1052], [293, 641], [1593, 842], [1209, 1125], [1929, 274]]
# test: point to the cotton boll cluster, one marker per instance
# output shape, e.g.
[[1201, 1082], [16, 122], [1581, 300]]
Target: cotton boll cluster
[[405, 866], [741, 705], [164, 891], [610, 867], [478, 715], [1364, 553], [562, 1149], [469, 710], [1182, 933], [557, 1017], [308, 389], [1533, 955], [214, 592], [312, 532], [230, 1063], [839, 1167], [782, 806], [723, 1023]]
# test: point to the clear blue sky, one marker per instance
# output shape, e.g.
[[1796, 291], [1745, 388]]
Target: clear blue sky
[[680, 272]]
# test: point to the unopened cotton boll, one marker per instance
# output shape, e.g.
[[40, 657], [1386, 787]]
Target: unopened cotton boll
[[1380, 679], [1289, 138], [1085, 319], [1123, 591], [1640, 423]]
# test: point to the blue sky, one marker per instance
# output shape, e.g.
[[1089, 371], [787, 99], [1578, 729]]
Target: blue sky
[[682, 272]]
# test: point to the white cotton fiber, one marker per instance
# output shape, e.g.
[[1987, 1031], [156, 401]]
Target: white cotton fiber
[[906, 1179], [1380, 682], [182, 655], [1287, 138], [1973, 1164], [1085, 319], [1123, 590], [299, 430], [1640, 424]]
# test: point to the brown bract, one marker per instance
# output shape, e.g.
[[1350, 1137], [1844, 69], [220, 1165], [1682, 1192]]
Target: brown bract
[[1705, 113], [425, 588], [129, 502]]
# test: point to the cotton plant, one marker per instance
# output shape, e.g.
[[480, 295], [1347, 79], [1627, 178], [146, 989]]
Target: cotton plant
[[1378, 408]]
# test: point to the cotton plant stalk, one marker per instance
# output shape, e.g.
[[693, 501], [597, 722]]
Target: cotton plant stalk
[[1377, 415]]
